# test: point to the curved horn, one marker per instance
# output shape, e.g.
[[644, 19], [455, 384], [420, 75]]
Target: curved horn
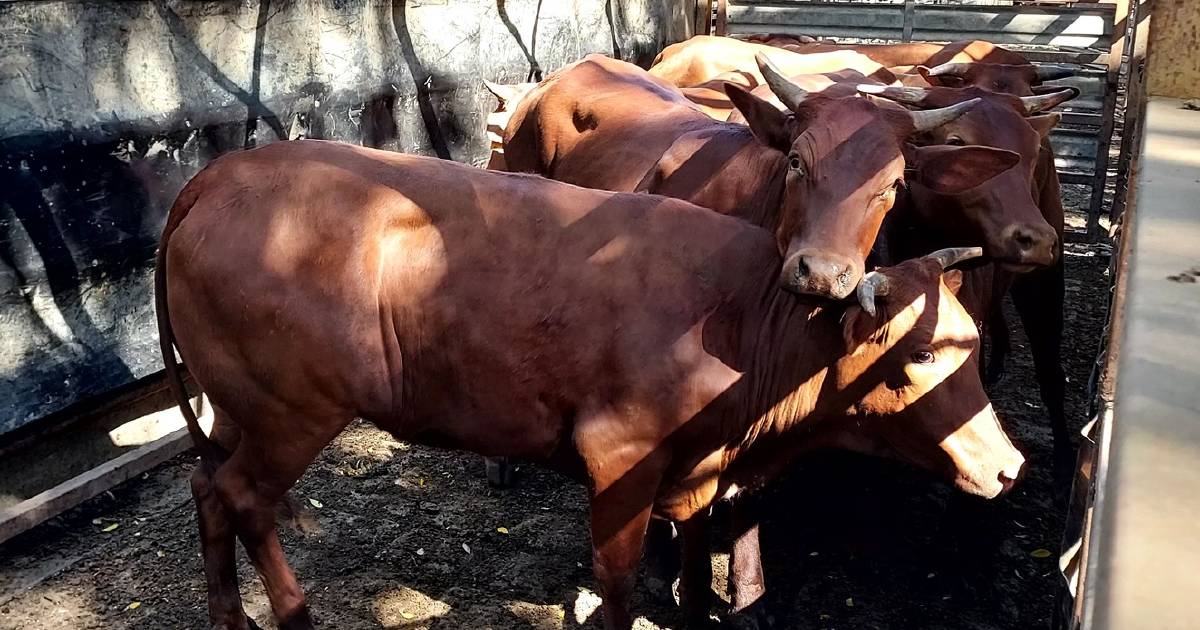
[[907, 95], [1042, 102], [1050, 73], [950, 70], [933, 118], [955, 255], [789, 93], [872, 284], [500, 91]]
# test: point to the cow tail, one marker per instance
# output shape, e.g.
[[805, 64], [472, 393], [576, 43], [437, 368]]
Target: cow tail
[[209, 450]]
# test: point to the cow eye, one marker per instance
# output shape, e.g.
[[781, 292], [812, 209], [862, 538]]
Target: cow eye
[[795, 164], [955, 141], [922, 356]]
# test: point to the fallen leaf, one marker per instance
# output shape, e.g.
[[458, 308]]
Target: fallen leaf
[[110, 527], [502, 530], [466, 548], [96, 521], [133, 606], [406, 614], [850, 602], [1040, 553], [421, 551], [315, 503], [160, 554], [421, 482]]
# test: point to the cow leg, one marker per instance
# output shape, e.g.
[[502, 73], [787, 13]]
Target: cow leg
[[250, 485], [695, 580], [747, 587], [217, 539], [499, 471], [1001, 338], [1039, 301], [217, 536], [662, 560]]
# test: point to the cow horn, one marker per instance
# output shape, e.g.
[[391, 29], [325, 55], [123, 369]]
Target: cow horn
[[907, 95], [1050, 73], [789, 93], [1042, 102], [503, 92], [933, 118], [872, 284], [955, 255], [955, 69]]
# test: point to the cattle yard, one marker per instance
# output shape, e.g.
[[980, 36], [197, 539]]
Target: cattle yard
[[388, 533]]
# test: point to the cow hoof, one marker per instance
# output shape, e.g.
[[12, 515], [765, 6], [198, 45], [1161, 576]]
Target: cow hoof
[[752, 617], [500, 472]]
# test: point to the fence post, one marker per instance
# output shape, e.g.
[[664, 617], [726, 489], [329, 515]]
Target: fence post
[[1134, 100], [910, 9]]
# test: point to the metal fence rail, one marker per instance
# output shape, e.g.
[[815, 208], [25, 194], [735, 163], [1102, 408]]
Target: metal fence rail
[[1082, 35]]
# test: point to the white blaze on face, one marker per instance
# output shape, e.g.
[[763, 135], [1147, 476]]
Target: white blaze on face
[[985, 461]]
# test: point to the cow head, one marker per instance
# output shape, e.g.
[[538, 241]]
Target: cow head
[[911, 372], [1018, 79], [842, 164], [1000, 213]]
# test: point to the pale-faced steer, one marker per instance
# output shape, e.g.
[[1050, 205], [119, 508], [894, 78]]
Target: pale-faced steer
[[636, 342]]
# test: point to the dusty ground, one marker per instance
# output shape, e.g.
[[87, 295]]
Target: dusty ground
[[408, 537]]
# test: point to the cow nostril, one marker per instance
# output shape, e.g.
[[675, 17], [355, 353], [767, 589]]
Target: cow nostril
[[802, 270], [1024, 240]]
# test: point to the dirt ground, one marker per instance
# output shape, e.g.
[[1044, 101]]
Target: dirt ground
[[408, 537]]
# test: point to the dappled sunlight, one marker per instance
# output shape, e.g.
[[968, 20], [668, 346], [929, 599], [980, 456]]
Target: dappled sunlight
[[407, 608]]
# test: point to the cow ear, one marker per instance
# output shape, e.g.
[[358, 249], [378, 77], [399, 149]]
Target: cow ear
[[1045, 123], [924, 72], [768, 123], [953, 279], [951, 169]]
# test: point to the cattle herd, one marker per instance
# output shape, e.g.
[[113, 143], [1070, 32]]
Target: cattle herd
[[683, 279]]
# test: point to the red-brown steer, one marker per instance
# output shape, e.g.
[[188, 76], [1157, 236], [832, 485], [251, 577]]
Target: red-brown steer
[[821, 175], [638, 343]]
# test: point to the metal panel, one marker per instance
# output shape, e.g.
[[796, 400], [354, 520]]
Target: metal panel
[[1090, 28], [817, 19]]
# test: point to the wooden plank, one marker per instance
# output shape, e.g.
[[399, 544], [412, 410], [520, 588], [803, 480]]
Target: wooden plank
[[72, 492]]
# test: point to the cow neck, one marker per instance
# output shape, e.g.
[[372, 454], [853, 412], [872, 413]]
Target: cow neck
[[749, 185], [794, 344]]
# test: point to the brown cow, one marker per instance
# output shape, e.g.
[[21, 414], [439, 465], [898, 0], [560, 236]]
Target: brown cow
[[637, 343], [1002, 215], [821, 176], [957, 64], [1038, 296], [703, 57]]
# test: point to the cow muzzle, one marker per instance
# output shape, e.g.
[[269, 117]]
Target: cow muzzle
[[986, 463], [814, 272], [1027, 246]]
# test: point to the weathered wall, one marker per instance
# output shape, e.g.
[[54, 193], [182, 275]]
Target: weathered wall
[[1173, 67], [108, 107]]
